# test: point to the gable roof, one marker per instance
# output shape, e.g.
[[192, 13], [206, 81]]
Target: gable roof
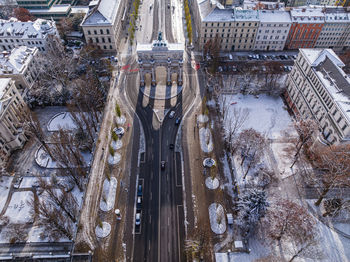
[[104, 13]]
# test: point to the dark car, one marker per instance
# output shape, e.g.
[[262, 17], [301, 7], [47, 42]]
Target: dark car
[[139, 190], [177, 121], [162, 164], [171, 146]]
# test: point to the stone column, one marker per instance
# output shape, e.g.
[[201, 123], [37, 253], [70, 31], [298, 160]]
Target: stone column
[[169, 76], [153, 76], [142, 77]]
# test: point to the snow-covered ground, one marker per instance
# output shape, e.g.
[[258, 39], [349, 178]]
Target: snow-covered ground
[[108, 194], [62, 120], [217, 218], [121, 120], [5, 184], [267, 114], [18, 211], [206, 140]]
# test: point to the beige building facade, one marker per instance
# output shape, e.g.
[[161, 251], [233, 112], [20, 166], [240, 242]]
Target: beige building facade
[[102, 26], [12, 135], [318, 88]]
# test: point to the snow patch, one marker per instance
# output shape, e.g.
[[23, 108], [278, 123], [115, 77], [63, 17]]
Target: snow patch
[[211, 103], [283, 159], [18, 211], [203, 118], [113, 160], [104, 231], [109, 191], [206, 140], [217, 218], [121, 120], [116, 144], [212, 183]]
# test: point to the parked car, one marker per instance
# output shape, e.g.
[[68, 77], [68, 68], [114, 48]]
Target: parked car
[[171, 146], [139, 202], [171, 115], [139, 190], [177, 121], [162, 165], [138, 219]]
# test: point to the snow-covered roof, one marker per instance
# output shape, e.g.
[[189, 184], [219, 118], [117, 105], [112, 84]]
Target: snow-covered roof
[[307, 15], [336, 82], [254, 4], [14, 62], [231, 15], [54, 9], [337, 17], [17, 29], [104, 13], [80, 10], [316, 55], [276, 16]]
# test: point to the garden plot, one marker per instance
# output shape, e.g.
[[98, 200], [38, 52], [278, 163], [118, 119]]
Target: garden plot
[[217, 218], [18, 210], [5, 184], [108, 194], [206, 140]]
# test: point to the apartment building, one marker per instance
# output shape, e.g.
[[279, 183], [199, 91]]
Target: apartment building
[[14, 33], [335, 31], [11, 133], [103, 24], [20, 65], [307, 24], [273, 30], [318, 88], [235, 28]]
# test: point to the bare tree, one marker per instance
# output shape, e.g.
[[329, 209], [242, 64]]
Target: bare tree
[[33, 128], [306, 129], [56, 224], [58, 196], [251, 143], [272, 73], [17, 233], [288, 220], [333, 164], [68, 156], [237, 119]]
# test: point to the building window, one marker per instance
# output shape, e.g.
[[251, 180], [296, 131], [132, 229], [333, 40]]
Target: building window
[[101, 31], [89, 32], [95, 32], [110, 47], [104, 47], [107, 31], [103, 40], [97, 40]]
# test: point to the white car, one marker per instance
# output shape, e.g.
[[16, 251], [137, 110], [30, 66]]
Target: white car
[[138, 219], [171, 115]]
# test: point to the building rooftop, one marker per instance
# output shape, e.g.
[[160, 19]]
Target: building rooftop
[[104, 13], [17, 29], [55, 9], [17, 60], [80, 10], [231, 15], [274, 16], [259, 5], [307, 15], [328, 68]]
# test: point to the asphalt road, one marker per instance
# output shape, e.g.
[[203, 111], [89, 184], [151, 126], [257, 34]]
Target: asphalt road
[[161, 233]]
